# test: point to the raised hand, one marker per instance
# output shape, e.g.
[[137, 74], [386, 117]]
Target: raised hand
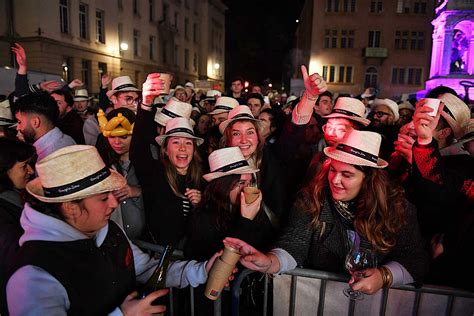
[[424, 123], [314, 84], [193, 195], [152, 87], [132, 306], [105, 80], [20, 55], [75, 83], [50, 85], [404, 146]]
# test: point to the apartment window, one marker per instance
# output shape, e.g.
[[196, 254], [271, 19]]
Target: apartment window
[[176, 55], [164, 52], [151, 9], [347, 39], [136, 42], [419, 7], [102, 69], [338, 73], [186, 59], [345, 74], [407, 76], [371, 77], [330, 38], [376, 6], [401, 39], [166, 9], [83, 32], [403, 6], [374, 39], [186, 28], [99, 26], [195, 32], [152, 44], [86, 73], [136, 6], [64, 16], [195, 62], [66, 65], [340, 5], [417, 41], [176, 19]]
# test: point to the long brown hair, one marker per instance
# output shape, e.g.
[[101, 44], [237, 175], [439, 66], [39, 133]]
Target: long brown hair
[[257, 155], [193, 175], [380, 205]]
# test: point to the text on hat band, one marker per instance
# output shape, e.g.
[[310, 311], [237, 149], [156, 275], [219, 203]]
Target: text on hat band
[[232, 166], [341, 111], [357, 152], [78, 185]]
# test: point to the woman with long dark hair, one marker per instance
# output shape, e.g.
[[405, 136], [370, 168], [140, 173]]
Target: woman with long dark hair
[[114, 148], [223, 210], [15, 171], [351, 201]]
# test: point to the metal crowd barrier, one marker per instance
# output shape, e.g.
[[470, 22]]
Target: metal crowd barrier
[[324, 288]]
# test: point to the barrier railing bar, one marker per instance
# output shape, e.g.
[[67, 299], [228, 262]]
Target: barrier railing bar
[[416, 303], [322, 297], [352, 305], [294, 280], [218, 307], [191, 298], [171, 301], [449, 305], [383, 306], [265, 295]]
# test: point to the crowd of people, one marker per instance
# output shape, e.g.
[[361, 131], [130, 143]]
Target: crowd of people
[[81, 180]]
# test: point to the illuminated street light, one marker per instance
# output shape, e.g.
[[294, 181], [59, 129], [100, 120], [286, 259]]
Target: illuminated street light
[[297, 21], [123, 46], [217, 66], [246, 84], [270, 85]]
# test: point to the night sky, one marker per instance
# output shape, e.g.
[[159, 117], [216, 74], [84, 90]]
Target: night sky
[[259, 37]]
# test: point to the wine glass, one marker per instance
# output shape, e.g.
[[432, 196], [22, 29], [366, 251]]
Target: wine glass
[[357, 260]]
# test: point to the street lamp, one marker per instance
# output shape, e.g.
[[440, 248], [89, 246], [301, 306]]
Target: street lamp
[[123, 46], [217, 66]]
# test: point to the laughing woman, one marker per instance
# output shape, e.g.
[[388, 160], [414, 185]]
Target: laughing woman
[[242, 130], [350, 202]]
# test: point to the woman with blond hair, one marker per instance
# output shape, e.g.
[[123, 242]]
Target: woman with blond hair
[[351, 202]]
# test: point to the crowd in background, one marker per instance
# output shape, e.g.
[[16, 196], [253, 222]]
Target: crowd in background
[[333, 172]]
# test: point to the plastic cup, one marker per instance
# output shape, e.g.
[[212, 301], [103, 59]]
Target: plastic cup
[[251, 194], [434, 104], [167, 78], [218, 277], [230, 255]]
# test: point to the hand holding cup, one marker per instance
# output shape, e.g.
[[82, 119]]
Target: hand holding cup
[[155, 84], [221, 271], [250, 200]]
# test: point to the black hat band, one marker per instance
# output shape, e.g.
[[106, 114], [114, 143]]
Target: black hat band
[[357, 152], [232, 166]]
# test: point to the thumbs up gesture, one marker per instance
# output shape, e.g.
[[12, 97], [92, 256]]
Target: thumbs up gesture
[[314, 84]]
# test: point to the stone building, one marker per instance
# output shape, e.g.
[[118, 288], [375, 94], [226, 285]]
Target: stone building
[[355, 44], [85, 38]]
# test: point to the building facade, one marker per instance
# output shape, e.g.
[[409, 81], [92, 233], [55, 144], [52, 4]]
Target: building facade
[[355, 44], [86, 38]]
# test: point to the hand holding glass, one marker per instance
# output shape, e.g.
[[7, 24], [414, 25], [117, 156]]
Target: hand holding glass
[[357, 260]]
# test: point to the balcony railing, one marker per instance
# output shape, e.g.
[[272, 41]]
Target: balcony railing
[[375, 52]]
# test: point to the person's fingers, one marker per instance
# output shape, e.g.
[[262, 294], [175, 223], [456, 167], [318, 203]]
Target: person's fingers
[[131, 296], [304, 72], [154, 295], [153, 75], [242, 198]]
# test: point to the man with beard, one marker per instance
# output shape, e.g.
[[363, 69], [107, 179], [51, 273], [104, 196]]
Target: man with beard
[[384, 122], [37, 115]]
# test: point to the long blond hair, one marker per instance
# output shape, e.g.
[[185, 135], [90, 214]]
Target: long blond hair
[[380, 205], [193, 175]]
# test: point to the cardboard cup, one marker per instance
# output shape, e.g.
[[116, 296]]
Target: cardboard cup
[[251, 194], [230, 256], [167, 79], [434, 104], [218, 277]]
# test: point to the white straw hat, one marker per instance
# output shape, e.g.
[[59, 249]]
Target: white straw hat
[[73, 173], [349, 108], [6, 116], [210, 96], [173, 108], [226, 161], [122, 84], [392, 105], [358, 148], [406, 105], [81, 95], [179, 127], [224, 104], [241, 112], [468, 131], [455, 112]]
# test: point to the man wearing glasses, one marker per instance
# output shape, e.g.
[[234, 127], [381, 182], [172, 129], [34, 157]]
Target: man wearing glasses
[[383, 121], [124, 94]]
